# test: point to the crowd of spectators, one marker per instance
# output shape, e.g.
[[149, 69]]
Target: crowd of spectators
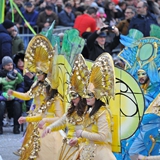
[[91, 18]]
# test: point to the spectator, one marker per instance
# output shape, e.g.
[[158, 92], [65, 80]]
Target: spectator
[[110, 12], [7, 6], [28, 78], [12, 79], [153, 7], [158, 2], [13, 106], [19, 3], [58, 6], [143, 19], [30, 14], [132, 2], [96, 42], [120, 8], [46, 18], [100, 18], [17, 42], [130, 12], [17, 17], [6, 28], [42, 5], [100, 3], [86, 22], [66, 16]]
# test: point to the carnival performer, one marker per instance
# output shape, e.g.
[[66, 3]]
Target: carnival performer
[[49, 111], [146, 144], [98, 120], [146, 70], [73, 119], [149, 89], [37, 59]]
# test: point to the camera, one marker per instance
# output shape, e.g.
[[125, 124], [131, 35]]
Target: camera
[[109, 28]]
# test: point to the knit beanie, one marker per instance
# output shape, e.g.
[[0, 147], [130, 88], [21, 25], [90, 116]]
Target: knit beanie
[[8, 24], [6, 60]]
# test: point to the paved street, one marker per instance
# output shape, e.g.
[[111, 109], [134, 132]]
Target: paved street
[[9, 143]]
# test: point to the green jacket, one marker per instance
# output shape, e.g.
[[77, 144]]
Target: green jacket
[[17, 46]]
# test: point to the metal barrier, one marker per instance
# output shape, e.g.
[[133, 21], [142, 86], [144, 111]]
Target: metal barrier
[[26, 34]]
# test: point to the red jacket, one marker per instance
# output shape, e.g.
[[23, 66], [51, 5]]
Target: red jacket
[[85, 23]]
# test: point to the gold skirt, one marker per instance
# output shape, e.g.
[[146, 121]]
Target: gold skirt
[[68, 152]]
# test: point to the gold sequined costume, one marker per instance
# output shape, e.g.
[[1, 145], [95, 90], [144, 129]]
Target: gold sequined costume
[[97, 127], [73, 122], [37, 58]]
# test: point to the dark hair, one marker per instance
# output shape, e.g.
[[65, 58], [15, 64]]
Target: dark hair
[[39, 81], [98, 104], [91, 10], [121, 3], [50, 93], [80, 108], [68, 5]]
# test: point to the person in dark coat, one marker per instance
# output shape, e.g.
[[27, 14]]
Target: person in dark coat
[[46, 18], [96, 42], [143, 20], [6, 28], [17, 17], [66, 16]]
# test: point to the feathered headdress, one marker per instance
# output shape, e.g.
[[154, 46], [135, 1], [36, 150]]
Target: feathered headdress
[[53, 72], [38, 55], [102, 77], [79, 76]]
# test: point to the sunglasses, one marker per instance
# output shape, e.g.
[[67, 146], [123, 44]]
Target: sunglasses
[[74, 95]]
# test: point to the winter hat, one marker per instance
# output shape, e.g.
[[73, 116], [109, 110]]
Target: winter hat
[[8, 24], [6, 60], [102, 34]]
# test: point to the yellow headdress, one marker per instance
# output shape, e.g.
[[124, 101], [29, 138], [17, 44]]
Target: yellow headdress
[[79, 76], [102, 77], [38, 54]]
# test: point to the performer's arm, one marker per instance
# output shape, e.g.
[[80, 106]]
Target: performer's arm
[[59, 111], [103, 130], [23, 96]]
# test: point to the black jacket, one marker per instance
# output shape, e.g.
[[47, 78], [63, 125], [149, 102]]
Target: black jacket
[[143, 23], [95, 49]]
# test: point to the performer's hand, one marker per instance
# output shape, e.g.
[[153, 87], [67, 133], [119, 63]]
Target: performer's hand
[[79, 133], [73, 142], [22, 120], [10, 92], [46, 131], [41, 124]]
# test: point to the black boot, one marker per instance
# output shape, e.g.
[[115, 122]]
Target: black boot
[[1, 130], [16, 129]]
